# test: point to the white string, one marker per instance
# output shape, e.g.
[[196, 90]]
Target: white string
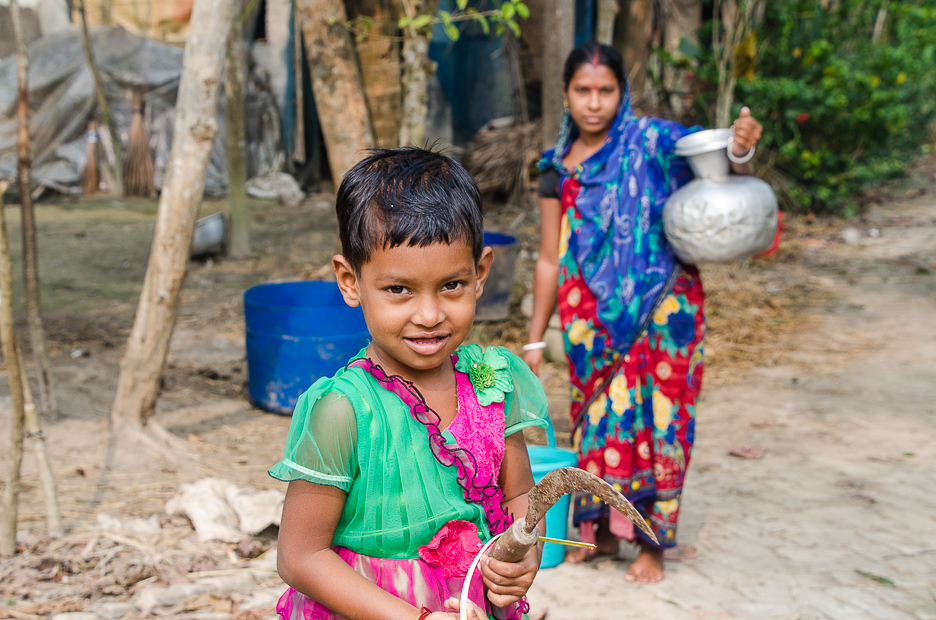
[[463, 603]]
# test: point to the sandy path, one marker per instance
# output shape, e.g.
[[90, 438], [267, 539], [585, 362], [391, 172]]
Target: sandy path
[[847, 485]]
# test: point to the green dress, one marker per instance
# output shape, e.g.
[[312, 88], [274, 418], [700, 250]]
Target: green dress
[[372, 436]]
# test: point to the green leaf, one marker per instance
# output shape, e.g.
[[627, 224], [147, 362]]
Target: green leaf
[[514, 27], [481, 19], [522, 10], [403, 23], [508, 10], [688, 48], [882, 580], [452, 31], [421, 20], [446, 17], [462, 4]]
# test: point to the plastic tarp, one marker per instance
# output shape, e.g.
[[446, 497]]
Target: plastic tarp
[[62, 101]]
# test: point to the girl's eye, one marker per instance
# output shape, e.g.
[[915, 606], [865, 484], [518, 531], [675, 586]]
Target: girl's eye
[[396, 290], [452, 286]]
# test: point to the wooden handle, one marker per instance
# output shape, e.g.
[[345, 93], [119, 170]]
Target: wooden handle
[[514, 543]]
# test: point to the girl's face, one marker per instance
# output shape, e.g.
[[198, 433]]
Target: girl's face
[[593, 95], [419, 303]]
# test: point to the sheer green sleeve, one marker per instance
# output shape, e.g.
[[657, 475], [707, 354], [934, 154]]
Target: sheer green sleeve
[[526, 404], [320, 447]]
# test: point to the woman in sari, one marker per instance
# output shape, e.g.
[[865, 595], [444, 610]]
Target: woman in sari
[[632, 315]]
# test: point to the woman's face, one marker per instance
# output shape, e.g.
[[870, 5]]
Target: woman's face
[[593, 95]]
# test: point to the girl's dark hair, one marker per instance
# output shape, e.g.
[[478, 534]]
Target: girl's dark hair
[[407, 195], [593, 53]]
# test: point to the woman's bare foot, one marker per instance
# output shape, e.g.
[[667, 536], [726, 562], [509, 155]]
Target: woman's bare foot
[[648, 567], [606, 543]]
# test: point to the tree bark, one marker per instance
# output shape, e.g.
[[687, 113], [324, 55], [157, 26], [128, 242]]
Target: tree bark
[[193, 135], [417, 70], [682, 24], [14, 372], [238, 244], [634, 43], [607, 15], [37, 335], [558, 40], [106, 115], [336, 83]]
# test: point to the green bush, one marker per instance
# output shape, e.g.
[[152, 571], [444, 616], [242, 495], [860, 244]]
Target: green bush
[[841, 112]]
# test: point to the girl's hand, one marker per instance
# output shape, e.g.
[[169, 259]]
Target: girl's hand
[[533, 359], [747, 131], [507, 583], [474, 612]]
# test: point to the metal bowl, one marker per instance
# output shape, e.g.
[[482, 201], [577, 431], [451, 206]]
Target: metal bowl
[[209, 235]]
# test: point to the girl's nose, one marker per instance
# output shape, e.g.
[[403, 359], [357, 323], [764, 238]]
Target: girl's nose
[[428, 312]]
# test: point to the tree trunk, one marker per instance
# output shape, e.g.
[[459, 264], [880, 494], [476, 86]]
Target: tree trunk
[[417, 70], [30, 253], [238, 244], [607, 15], [106, 115], [634, 43], [193, 135], [683, 22], [54, 525], [14, 372], [558, 40], [336, 83]]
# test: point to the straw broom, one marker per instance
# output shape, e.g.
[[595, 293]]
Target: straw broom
[[90, 180], [138, 171]]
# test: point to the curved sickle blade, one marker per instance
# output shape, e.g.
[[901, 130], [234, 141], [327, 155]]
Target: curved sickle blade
[[558, 482]]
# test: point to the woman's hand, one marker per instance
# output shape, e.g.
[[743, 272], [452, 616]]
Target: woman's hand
[[474, 612], [533, 359], [747, 131], [507, 582]]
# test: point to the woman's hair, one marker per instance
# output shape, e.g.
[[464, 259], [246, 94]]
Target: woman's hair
[[407, 195], [592, 53]]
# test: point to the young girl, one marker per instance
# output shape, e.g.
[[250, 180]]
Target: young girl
[[408, 459]]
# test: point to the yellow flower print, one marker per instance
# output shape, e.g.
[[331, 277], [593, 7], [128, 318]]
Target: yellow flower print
[[662, 410], [668, 507], [565, 231], [581, 333], [668, 307], [620, 396], [597, 410]]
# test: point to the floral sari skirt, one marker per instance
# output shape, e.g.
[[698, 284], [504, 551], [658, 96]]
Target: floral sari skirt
[[638, 433]]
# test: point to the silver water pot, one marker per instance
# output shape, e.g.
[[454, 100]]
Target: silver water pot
[[717, 217]]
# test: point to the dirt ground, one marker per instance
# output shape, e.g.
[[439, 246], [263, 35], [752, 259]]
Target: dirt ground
[[823, 355]]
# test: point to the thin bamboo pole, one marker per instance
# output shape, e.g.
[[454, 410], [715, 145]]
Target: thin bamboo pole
[[14, 372], [30, 252], [43, 465], [106, 115]]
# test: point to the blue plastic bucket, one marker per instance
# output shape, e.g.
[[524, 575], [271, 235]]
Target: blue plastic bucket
[[494, 303], [545, 459], [297, 332]]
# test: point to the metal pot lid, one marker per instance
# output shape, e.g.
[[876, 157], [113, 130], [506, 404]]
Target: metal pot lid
[[704, 141]]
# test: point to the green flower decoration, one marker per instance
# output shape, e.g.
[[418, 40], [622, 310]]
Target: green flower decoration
[[489, 373]]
